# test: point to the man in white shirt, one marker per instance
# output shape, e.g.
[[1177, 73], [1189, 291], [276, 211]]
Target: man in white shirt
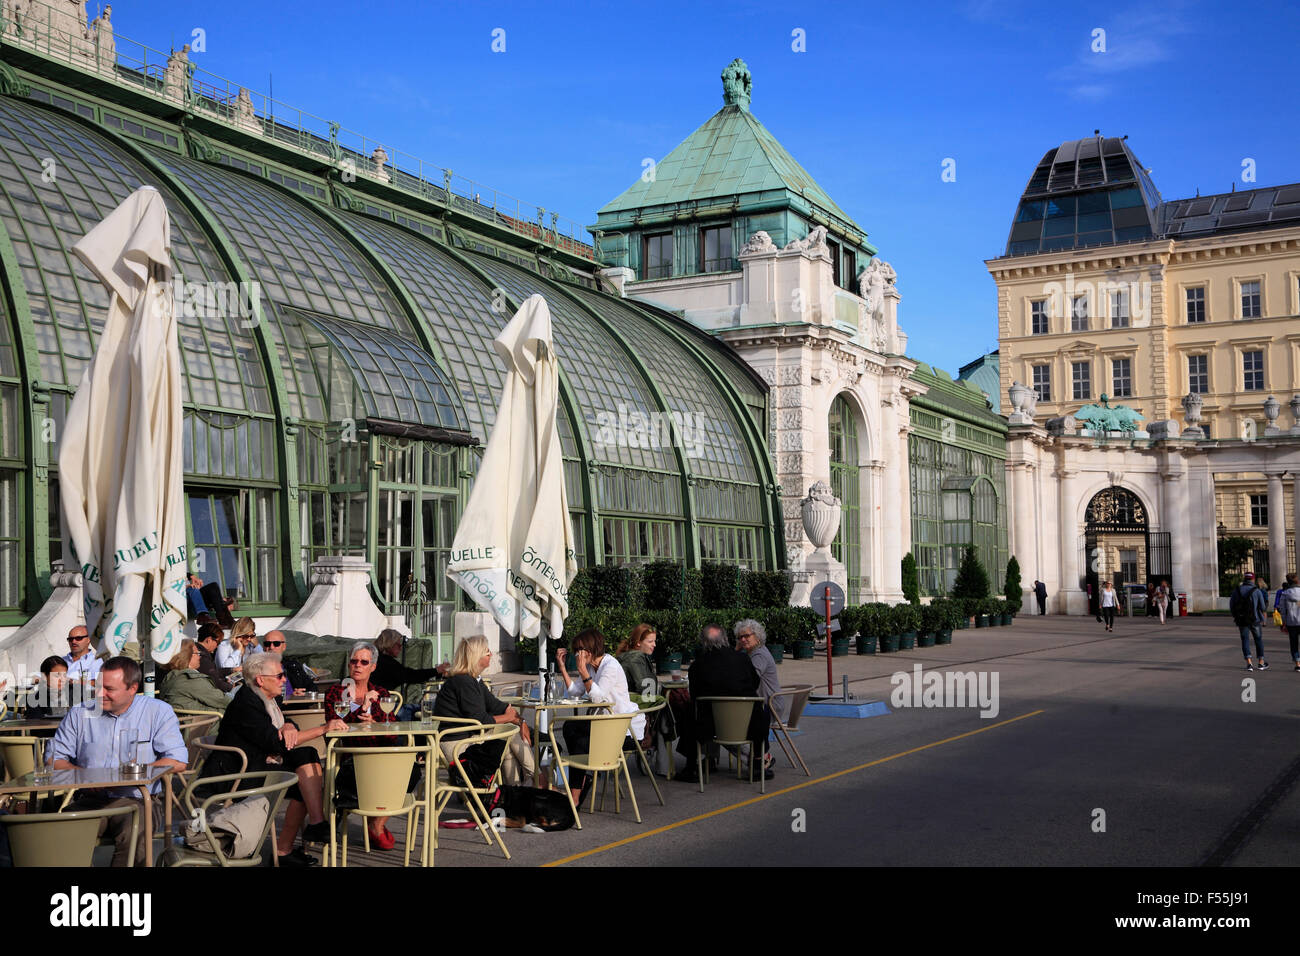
[[81, 659]]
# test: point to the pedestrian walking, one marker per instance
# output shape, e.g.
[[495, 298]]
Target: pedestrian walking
[[1248, 606], [1290, 609], [1040, 592], [1162, 599], [1108, 604]]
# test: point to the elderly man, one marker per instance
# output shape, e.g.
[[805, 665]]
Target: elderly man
[[86, 738], [81, 659], [718, 671], [296, 678], [210, 637]]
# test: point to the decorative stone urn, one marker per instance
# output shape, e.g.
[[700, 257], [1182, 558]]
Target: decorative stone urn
[[1272, 407], [1192, 403], [821, 515], [1295, 415], [1020, 395]]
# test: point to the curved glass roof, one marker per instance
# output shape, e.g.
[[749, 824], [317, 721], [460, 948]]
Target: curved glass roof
[[57, 181], [1085, 193], [396, 379]]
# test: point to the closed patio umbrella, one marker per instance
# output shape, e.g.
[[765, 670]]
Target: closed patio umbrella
[[120, 463], [513, 550]]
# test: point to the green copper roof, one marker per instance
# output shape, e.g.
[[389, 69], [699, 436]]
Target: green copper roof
[[731, 154]]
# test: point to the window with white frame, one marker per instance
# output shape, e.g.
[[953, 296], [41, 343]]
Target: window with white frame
[[1252, 371], [1195, 305], [1038, 324], [1081, 379], [1043, 382], [1121, 378], [1198, 374], [1119, 310], [1250, 300], [1259, 511], [1079, 314]]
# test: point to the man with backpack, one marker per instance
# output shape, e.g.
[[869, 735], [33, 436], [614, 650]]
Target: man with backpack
[[1248, 608]]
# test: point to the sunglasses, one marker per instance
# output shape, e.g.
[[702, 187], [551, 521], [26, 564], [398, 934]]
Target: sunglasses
[[279, 676], [273, 643], [84, 637], [359, 660]]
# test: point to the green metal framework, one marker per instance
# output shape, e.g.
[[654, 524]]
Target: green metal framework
[[846, 484]]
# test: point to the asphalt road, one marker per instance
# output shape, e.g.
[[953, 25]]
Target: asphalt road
[[1146, 726]]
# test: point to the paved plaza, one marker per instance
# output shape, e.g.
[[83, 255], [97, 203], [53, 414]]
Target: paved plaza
[[1147, 725]]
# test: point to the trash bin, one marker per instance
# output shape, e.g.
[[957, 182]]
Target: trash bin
[[1182, 604]]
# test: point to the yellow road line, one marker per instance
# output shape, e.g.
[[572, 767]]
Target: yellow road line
[[778, 793]]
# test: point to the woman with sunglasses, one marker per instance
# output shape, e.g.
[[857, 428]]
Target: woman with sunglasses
[[361, 695], [255, 724]]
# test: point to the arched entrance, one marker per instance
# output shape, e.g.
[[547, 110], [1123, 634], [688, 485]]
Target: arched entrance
[[1119, 546]]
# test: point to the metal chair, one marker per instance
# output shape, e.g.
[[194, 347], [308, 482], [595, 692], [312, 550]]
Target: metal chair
[[798, 697], [382, 775], [451, 746], [650, 707], [731, 716], [21, 755], [195, 723], [274, 785], [608, 732], [64, 839]]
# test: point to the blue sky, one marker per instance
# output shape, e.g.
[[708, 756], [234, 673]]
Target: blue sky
[[872, 107]]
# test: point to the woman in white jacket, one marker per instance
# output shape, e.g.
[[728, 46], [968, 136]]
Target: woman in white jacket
[[1291, 616]]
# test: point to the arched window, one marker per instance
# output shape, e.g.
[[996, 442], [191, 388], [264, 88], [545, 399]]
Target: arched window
[[845, 470]]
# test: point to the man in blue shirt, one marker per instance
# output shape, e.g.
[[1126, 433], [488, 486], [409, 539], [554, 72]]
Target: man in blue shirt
[[88, 737], [81, 659]]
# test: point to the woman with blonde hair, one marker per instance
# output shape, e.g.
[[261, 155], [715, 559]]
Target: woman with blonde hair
[[230, 655], [635, 656], [185, 688], [465, 695]]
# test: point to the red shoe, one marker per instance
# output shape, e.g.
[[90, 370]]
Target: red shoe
[[384, 841]]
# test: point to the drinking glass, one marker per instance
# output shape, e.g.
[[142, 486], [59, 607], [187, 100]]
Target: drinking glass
[[127, 750], [388, 704], [341, 707], [427, 704]]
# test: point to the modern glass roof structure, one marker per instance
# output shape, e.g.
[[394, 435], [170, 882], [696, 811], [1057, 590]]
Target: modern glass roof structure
[[336, 336]]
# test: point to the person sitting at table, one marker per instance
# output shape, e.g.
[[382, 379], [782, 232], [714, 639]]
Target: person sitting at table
[[185, 687], [635, 655], [230, 654], [87, 739], [393, 674], [599, 676], [465, 695], [751, 637], [296, 678], [363, 695], [255, 724], [81, 660], [717, 671], [210, 637], [52, 689]]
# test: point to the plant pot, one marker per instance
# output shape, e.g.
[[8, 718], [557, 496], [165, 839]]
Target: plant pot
[[670, 662], [907, 640], [866, 644], [777, 651], [943, 637], [982, 620], [688, 655], [925, 640], [840, 647], [1006, 619], [889, 643], [803, 650], [528, 662]]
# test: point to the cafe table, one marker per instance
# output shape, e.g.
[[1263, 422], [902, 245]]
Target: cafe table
[[98, 778], [566, 703], [28, 726], [397, 728]]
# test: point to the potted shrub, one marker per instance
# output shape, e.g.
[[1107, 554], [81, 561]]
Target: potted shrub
[[1007, 613], [526, 648], [971, 585], [882, 621], [865, 625], [949, 615], [1012, 591], [931, 624], [776, 631], [841, 639], [906, 620], [975, 608]]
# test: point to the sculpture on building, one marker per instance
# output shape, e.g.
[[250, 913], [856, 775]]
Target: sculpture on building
[[244, 114], [814, 242], [873, 282], [380, 157], [177, 73], [758, 242], [68, 27], [15, 12], [737, 83], [1104, 417], [105, 42]]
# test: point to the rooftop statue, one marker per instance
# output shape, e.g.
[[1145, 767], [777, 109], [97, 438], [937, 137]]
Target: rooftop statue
[[737, 84], [1105, 418]]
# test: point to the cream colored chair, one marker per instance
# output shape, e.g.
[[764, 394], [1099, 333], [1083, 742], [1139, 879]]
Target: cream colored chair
[[21, 755], [650, 705], [382, 775], [731, 716], [64, 839], [195, 724], [274, 784], [608, 731], [452, 742], [798, 697]]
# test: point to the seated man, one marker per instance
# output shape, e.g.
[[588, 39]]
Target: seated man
[[89, 738], [717, 671], [210, 638], [81, 660], [296, 678], [53, 695]]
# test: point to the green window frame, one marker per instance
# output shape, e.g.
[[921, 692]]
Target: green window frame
[[235, 541], [639, 540], [846, 485]]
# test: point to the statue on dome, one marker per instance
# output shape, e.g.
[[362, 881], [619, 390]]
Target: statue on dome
[[737, 83], [1104, 417], [105, 43]]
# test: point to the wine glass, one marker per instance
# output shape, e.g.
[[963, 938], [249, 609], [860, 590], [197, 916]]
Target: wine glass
[[388, 703], [341, 707]]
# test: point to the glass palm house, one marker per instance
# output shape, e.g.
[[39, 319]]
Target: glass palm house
[[336, 307]]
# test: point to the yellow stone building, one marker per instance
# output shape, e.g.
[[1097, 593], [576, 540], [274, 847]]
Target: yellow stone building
[[1105, 288]]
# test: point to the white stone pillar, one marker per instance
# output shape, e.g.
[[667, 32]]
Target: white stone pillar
[[893, 507], [1068, 585], [1277, 557], [1295, 518]]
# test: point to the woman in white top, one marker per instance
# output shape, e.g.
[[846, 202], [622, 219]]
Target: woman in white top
[[230, 654], [602, 677], [1162, 599], [1108, 604]]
